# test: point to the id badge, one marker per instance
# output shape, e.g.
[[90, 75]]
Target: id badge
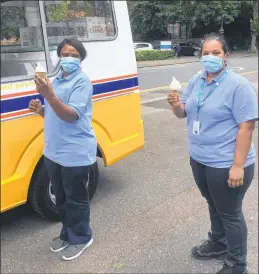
[[196, 127]]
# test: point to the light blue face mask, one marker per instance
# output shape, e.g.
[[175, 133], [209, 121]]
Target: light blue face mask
[[212, 63], [69, 64]]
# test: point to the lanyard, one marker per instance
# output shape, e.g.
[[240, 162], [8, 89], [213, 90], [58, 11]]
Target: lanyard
[[199, 104]]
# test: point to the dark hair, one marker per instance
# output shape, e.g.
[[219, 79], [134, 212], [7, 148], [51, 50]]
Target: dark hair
[[215, 36], [74, 42]]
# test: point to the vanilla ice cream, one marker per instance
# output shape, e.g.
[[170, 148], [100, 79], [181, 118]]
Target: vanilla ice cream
[[175, 85], [40, 71]]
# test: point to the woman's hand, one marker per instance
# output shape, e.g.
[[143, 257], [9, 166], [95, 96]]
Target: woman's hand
[[173, 99], [236, 176], [35, 106], [44, 87]]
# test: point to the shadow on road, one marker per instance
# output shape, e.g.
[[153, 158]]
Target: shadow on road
[[13, 216], [23, 218]]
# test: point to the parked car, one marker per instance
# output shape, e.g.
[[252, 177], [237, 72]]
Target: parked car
[[143, 46], [188, 49]]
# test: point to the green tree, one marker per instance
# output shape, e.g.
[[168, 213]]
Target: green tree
[[189, 14], [146, 22], [68, 9], [59, 12], [217, 12], [254, 25], [11, 19], [250, 11], [184, 12], [150, 17]]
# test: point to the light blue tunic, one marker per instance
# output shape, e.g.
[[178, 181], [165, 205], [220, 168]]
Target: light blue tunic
[[234, 101], [71, 144]]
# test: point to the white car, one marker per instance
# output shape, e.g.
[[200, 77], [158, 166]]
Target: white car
[[142, 46]]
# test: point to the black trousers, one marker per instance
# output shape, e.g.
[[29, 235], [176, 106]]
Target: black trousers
[[228, 225], [70, 185]]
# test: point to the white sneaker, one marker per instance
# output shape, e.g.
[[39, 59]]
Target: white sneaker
[[74, 251], [58, 245]]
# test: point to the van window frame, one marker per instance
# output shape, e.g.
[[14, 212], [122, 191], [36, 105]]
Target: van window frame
[[53, 72]]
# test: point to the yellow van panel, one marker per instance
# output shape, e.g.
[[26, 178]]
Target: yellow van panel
[[118, 126], [16, 137]]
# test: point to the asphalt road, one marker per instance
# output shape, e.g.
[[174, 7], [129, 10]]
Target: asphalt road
[[147, 212]]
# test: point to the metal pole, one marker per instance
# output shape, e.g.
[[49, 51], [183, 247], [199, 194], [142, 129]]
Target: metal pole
[[45, 37], [221, 30]]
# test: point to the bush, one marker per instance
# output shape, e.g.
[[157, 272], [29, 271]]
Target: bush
[[147, 55]]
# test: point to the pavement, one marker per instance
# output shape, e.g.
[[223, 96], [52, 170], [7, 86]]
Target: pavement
[[147, 212], [188, 59]]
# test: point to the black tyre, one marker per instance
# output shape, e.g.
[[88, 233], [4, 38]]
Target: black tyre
[[41, 196], [93, 179]]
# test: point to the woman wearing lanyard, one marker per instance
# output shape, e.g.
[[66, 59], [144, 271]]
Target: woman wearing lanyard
[[221, 110]]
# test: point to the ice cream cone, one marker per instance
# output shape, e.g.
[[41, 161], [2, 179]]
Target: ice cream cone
[[42, 75], [175, 86], [40, 71]]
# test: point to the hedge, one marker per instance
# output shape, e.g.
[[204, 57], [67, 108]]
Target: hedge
[[147, 55]]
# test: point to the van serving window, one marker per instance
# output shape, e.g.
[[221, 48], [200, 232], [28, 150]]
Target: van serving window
[[22, 42], [86, 20], [21, 38]]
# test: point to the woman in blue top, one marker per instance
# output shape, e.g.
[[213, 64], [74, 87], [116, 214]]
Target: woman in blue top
[[221, 110], [70, 146]]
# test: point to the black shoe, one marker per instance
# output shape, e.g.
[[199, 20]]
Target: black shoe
[[233, 269], [208, 250]]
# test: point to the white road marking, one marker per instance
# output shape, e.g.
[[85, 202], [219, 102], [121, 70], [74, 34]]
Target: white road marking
[[150, 110], [237, 69], [153, 100], [184, 84], [145, 70]]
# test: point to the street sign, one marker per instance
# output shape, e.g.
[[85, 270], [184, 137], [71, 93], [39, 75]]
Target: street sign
[[165, 45]]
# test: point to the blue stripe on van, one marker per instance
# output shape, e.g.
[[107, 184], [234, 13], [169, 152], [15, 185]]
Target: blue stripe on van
[[116, 85], [16, 104]]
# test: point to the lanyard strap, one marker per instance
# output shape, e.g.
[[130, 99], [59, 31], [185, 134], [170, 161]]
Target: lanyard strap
[[199, 104]]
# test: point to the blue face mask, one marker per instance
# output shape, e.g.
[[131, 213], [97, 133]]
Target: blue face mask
[[69, 64], [212, 63]]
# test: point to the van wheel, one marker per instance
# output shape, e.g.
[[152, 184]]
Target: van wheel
[[41, 196], [93, 179]]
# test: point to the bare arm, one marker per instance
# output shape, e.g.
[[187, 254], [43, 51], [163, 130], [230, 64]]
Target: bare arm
[[243, 142], [41, 113], [179, 111], [36, 107], [63, 111], [245, 113], [177, 106]]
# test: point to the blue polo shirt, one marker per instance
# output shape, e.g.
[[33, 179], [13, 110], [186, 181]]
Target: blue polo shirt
[[71, 144], [234, 101]]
